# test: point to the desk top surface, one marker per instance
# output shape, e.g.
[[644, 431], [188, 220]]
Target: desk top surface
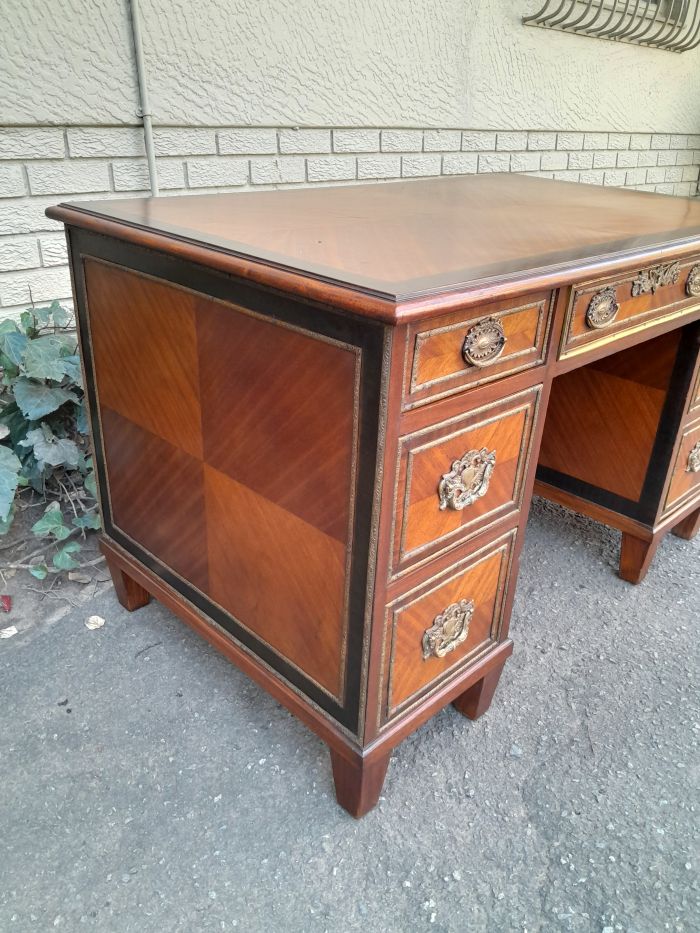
[[406, 239]]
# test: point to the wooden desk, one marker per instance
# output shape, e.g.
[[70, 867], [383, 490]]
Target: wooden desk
[[317, 416]]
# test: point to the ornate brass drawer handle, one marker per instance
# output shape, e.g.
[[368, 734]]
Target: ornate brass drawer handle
[[602, 308], [651, 279], [449, 629], [694, 460], [468, 480], [484, 343], [692, 283]]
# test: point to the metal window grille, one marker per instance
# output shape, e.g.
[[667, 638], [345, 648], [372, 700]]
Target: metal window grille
[[673, 25]]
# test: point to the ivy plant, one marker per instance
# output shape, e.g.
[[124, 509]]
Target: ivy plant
[[43, 434]]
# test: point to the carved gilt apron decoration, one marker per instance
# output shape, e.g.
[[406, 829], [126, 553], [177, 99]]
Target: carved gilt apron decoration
[[692, 283], [694, 460], [484, 343], [468, 480], [450, 629], [656, 277], [602, 308]]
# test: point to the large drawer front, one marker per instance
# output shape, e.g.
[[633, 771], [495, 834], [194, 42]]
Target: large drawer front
[[462, 350], [685, 481], [614, 307], [457, 477], [436, 630]]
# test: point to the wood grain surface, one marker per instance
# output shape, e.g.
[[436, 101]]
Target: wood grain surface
[[230, 447], [412, 237]]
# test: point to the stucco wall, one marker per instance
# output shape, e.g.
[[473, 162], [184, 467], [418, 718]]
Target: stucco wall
[[443, 63]]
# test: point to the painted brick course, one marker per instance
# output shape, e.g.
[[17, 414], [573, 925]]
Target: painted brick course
[[43, 165]]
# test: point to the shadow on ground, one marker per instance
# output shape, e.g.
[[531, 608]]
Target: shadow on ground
[[148, 786]]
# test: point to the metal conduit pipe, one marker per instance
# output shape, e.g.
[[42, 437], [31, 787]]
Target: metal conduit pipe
[[145, 106]]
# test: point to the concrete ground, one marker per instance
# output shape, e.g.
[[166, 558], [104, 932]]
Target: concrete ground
[[147, 786]]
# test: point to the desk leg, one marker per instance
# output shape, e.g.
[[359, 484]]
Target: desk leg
[[689, 527], [358, 781], [636, 556], [476, 699], [129, 593]]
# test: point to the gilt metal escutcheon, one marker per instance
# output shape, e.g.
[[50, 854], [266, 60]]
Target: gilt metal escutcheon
[[450, 629], [694, 460], [602, 308], [468, 480], [484, 343], [651, 279], [692, 283]]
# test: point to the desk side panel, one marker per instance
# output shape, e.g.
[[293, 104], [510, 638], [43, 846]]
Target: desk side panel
[[234, 455]]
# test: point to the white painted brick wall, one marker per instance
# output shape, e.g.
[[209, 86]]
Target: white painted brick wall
[[247, 142], [380, 166], [283, 170], [68, 177], [132, 174], [305, 141], [402, 140], [44, 165], [332, 168], [442, 140], [110, 142], [511, 141], [187, 141], [478, 142], [16, 253], [12, 183], [216, 172], [32, 143], [356, 140], [416, 166], [460, 163]]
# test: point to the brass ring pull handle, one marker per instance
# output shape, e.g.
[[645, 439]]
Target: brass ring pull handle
[[692, 283], [450, 629], [602, 308], [694, 460], [484, 343], [467, 481]]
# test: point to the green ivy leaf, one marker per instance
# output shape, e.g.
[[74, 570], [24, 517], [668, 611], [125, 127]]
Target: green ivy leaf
[[71, 366], [62, 559], [88, 520], [9, 479], [42, 316], [51, 524], [27, 322], [61, 317], [56, 451], [43, 358], [40, 571], [36, 400], [13, 345]]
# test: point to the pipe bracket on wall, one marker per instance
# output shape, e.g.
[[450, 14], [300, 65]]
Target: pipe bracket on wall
[[673, 25]]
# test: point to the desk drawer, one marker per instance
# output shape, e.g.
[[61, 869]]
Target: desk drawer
[[435, 630], [613, 307], [457, 477], [462, 350], [685, 481]]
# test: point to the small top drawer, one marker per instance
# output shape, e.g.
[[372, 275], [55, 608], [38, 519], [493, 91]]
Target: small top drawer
[[614, 307], [466, 349]]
